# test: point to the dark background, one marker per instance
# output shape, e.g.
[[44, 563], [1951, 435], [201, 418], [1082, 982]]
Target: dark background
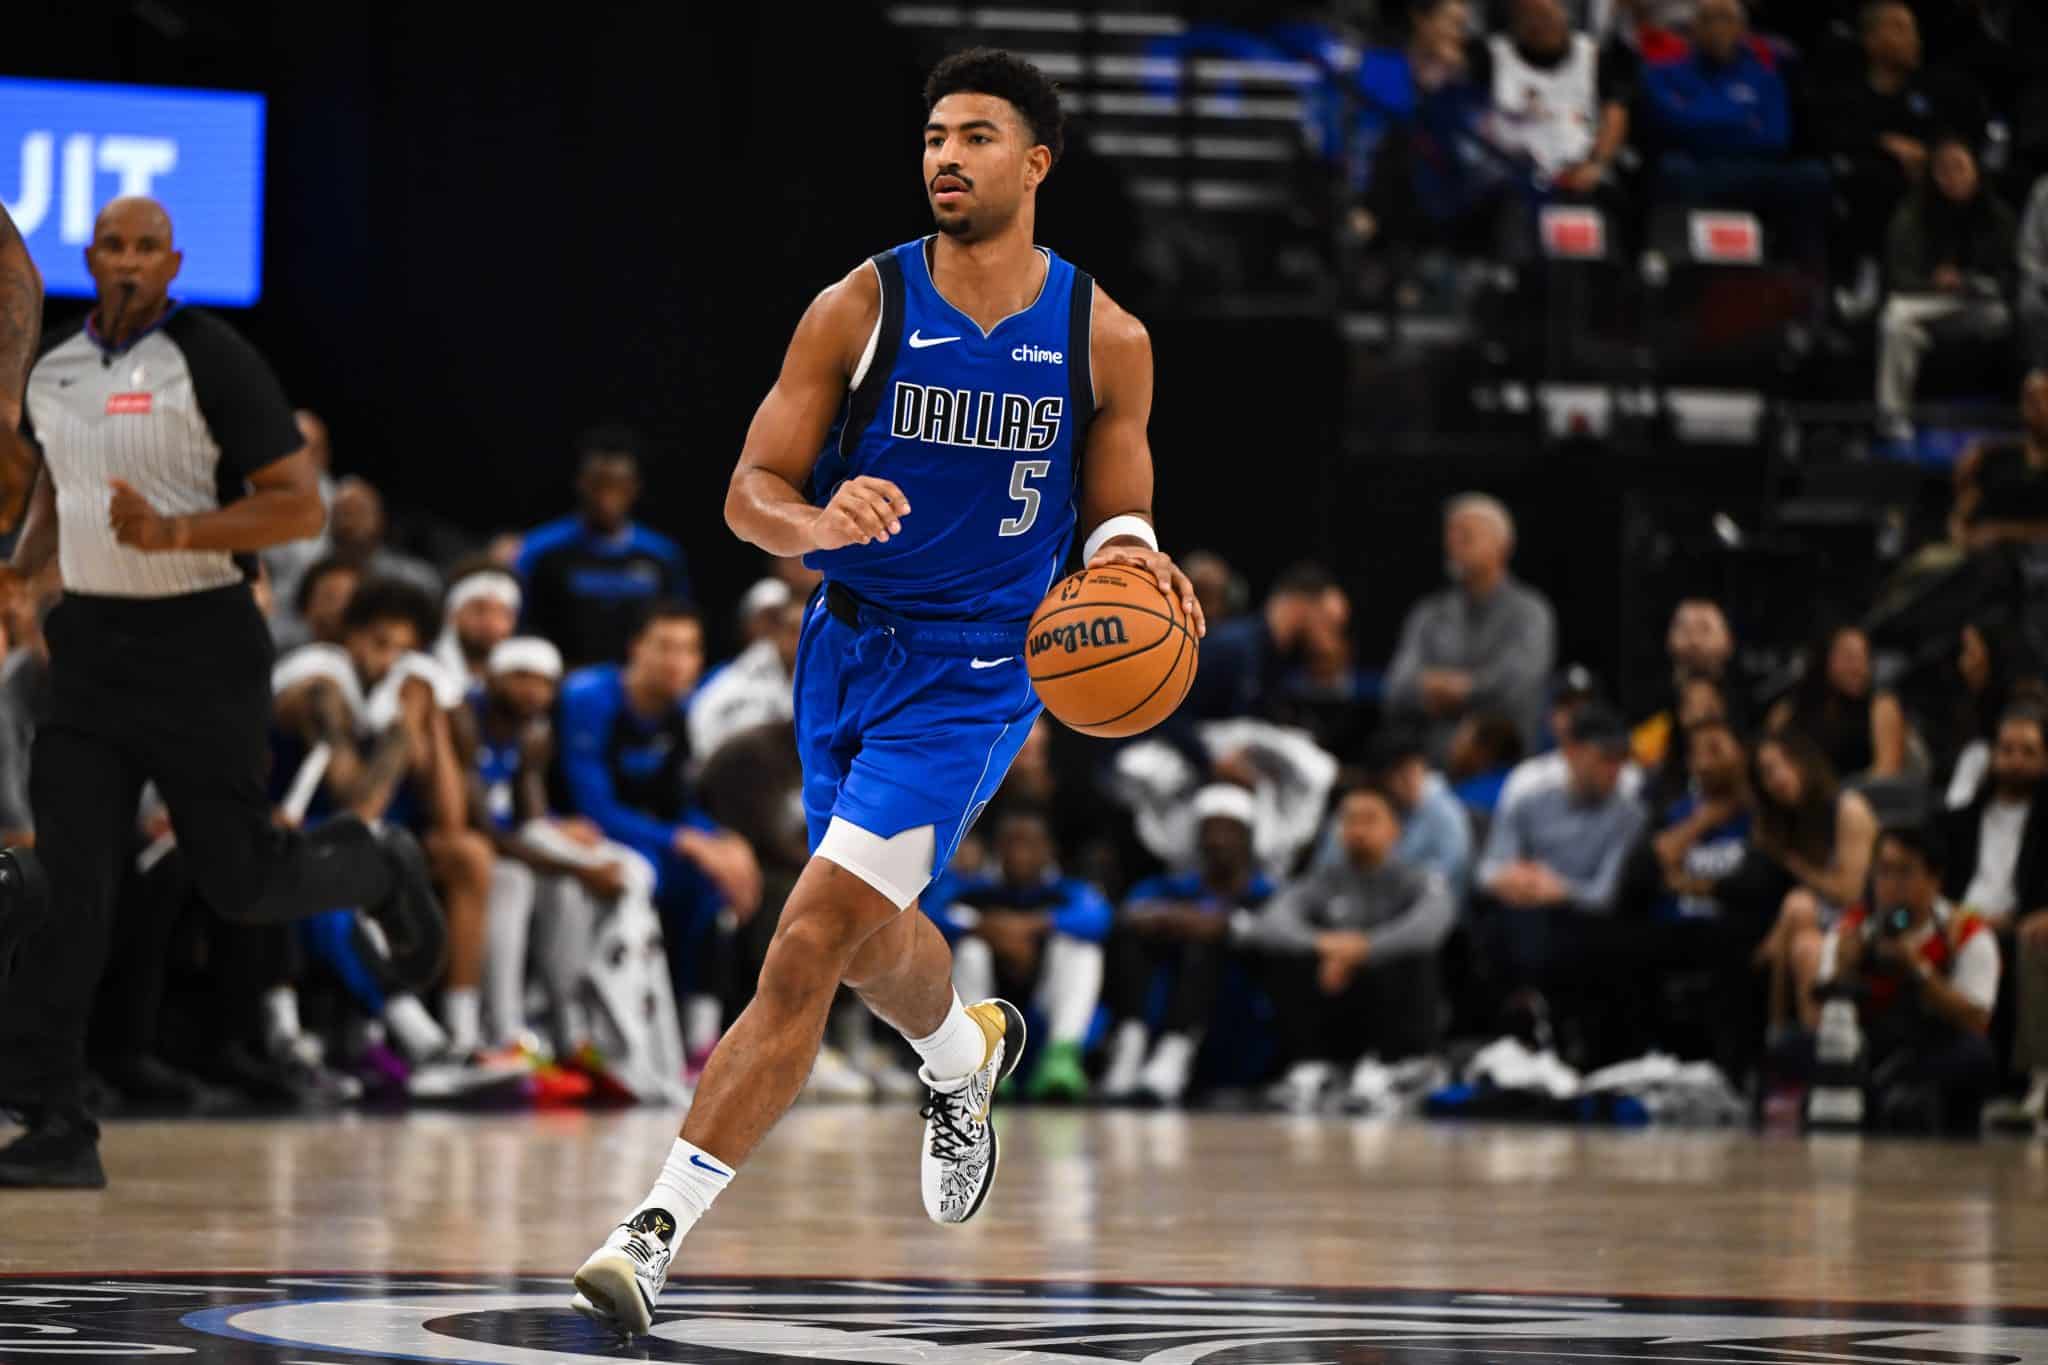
[[485, 234]]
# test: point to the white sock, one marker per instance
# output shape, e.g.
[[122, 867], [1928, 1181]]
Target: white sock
[[690, 1179], [953, 1051], [702, 1016], [507, 928], [280, 1017], [1070, 984], [462, 1011], [419, 1037]]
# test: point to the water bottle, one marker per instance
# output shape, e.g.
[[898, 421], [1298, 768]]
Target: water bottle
[[1836, 1100]]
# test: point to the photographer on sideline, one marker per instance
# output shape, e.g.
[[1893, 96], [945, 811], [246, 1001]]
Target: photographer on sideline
[[1925, 975]]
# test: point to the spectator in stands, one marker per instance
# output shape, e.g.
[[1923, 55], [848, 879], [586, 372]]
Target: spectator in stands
[[1998, 844], [1820, 837], [1436, 834], [1929, 972], [1704, 838], [1483, 750], [624, 736], [355, 524], [1218, 587], [287, 564], [1699, 644], [479, 614], [1560, 100], [2033, 269], [1486, 643], [1029, 932], [1245, 660], [1561, 848], [1860, 728], [1950, 269], [1351, 949], [1577, 689], [316, 606], [590, 575], [2002, 485], [1877, 130], [1176, 924], [1700, 701], [1723, 118], [754, 688], [1961, 719]]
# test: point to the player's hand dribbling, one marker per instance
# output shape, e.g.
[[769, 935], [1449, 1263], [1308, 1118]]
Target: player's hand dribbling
[[1164, 571], [862, 510]]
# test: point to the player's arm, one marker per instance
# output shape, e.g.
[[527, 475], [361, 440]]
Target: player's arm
[[21, 330], [1116, 469], [765, 503]]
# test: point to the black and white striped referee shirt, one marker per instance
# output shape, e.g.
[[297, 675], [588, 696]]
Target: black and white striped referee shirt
[[185, 413]]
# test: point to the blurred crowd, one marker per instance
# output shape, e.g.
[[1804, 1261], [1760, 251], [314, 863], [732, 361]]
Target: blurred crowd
[[1452, 873], [1889, 154]]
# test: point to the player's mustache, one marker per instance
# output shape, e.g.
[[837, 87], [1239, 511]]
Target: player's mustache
[[950, 173]]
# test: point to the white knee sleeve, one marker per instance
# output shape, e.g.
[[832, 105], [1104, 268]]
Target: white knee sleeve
[[899, 867]]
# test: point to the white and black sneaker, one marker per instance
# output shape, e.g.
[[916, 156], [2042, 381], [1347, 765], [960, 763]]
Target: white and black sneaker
[[618, 1285], [960, 1150]]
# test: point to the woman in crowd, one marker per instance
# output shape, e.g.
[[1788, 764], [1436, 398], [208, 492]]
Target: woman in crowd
[[1960, 718], [1860, 729], [1821, 837]]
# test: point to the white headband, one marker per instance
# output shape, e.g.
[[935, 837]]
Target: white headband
[[1222, 801], [526, 654], [765, 595], [492, 585]]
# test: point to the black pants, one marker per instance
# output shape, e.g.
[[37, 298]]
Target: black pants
[[174, 691], [1197, 970], [1390, 1009]]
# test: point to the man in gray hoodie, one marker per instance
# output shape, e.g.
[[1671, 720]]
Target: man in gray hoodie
[[1352, 951]]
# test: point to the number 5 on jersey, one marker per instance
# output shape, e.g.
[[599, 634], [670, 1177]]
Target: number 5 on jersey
[[1021, 475]]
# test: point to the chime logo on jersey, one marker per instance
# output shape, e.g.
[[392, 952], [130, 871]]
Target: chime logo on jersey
[[976, 419]]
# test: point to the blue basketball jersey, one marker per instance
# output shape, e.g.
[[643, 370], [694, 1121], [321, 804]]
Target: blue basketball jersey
[[497, 767], [983, 432]]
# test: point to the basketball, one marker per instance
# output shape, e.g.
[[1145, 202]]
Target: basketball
[[1110, 652]]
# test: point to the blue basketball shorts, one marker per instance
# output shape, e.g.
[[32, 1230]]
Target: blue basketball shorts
[[901, 725]]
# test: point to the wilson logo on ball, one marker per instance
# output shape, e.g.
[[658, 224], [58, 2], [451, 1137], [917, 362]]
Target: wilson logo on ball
[[1103, 630]]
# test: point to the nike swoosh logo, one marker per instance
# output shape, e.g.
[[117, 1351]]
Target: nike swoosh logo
[[990, 663], [701, 1164], [918, 343], [66, 383]]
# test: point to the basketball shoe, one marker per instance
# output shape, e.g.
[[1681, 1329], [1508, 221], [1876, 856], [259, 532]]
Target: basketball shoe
[[618, 1285], [960, 1150]]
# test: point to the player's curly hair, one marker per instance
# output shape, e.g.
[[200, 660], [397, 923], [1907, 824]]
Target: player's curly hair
[[991, 71]]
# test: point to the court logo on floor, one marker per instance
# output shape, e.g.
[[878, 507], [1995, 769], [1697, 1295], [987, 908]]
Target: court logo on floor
[[323, 1320]]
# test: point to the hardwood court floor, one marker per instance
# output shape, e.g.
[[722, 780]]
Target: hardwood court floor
[[1099, 1196]]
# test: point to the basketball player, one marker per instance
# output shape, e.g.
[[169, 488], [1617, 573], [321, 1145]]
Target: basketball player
[[944, 415]]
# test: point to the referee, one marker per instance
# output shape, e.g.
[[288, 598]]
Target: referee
[[169, 457]]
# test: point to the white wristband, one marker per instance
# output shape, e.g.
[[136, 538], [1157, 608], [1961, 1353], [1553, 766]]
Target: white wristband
[[1125, 525]]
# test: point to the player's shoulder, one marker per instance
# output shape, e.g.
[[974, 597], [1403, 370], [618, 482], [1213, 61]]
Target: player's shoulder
[[649, 541], [549, 538], [591, 689], [1114, 332], [852, 302]]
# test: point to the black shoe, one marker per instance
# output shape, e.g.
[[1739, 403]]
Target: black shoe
[[24, 897], [407, 932], [150, 1085], [60, 1151]]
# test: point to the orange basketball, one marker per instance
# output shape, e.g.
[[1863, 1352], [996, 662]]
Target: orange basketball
[[1109, 652]]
